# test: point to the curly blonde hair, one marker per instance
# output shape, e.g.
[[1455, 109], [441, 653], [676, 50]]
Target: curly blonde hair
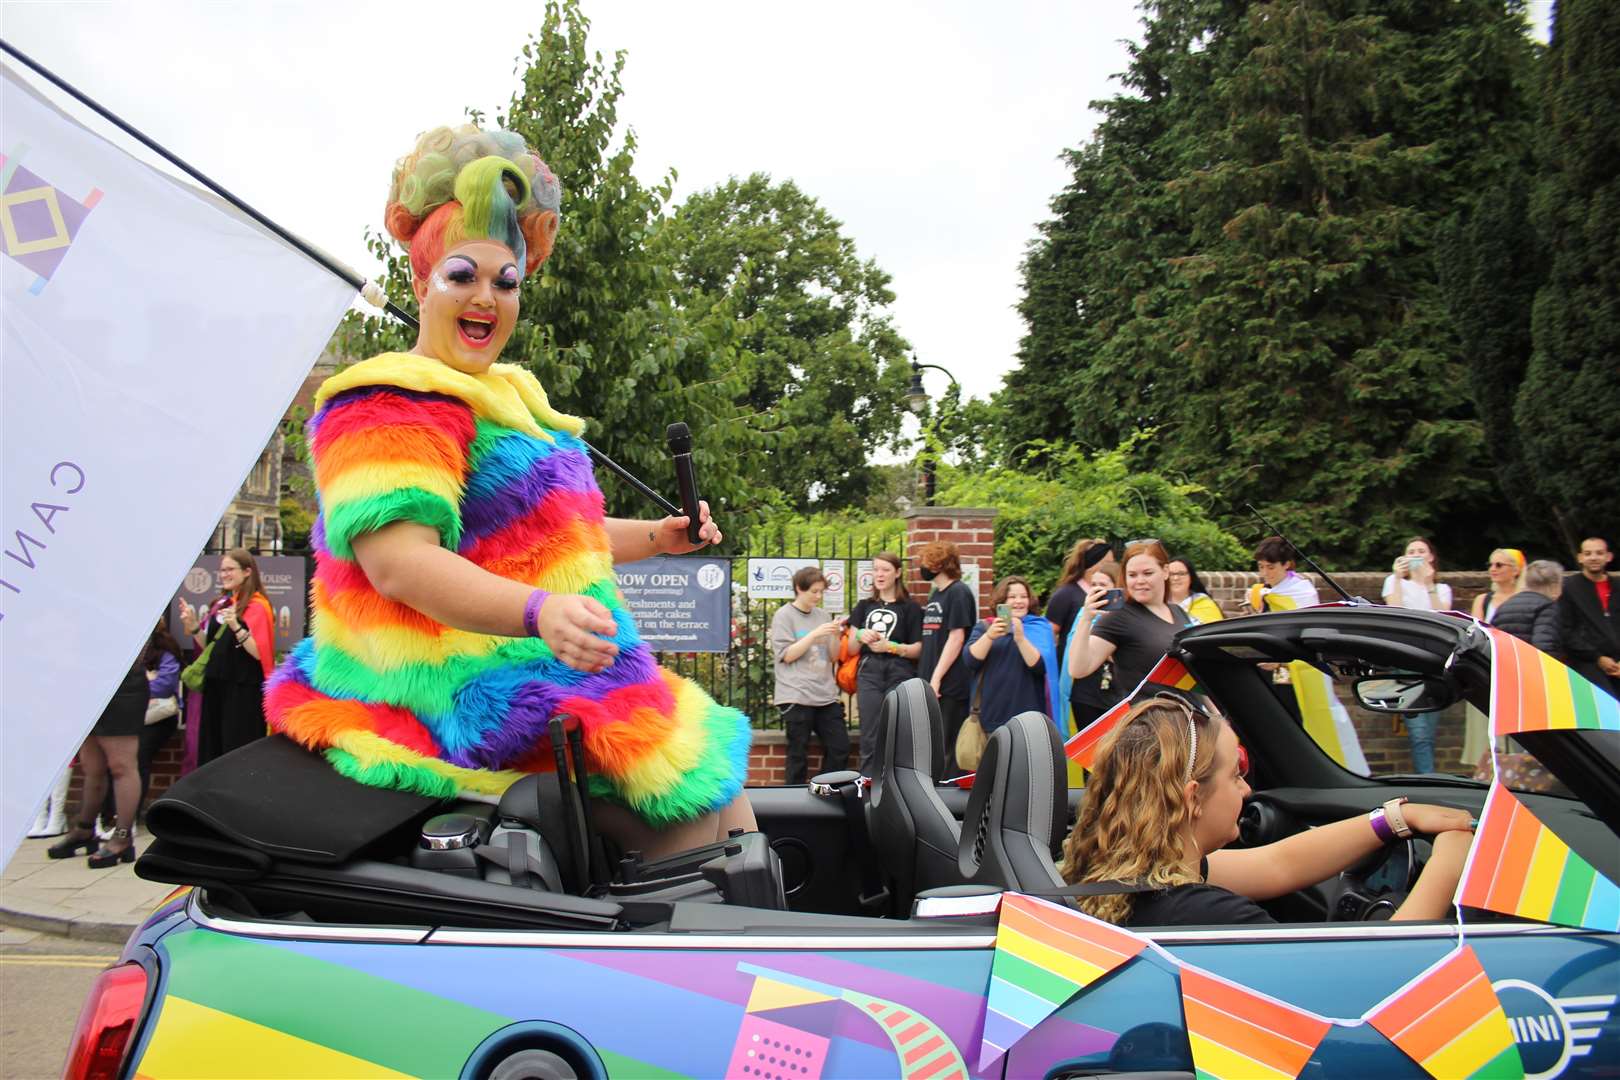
[[1131, 822]]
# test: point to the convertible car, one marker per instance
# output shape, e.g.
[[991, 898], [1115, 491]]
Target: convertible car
[[907, 927]]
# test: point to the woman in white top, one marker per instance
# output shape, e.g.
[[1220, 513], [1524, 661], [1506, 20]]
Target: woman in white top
[[1415, 584], [1506, 571]]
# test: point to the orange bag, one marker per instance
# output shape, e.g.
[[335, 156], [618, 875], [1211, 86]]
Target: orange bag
[[849, 661]]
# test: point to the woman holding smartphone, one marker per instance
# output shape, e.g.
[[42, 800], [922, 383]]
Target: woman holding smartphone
[[240, 628], [1137, 635], [1010, 656], [1413, 584]]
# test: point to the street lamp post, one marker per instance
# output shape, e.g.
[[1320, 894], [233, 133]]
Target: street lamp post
[[917, 402]]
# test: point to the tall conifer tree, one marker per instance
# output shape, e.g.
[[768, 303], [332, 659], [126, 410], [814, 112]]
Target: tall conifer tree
[[1568, 409]]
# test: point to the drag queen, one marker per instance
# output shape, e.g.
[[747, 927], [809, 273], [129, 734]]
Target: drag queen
[[464, 591]]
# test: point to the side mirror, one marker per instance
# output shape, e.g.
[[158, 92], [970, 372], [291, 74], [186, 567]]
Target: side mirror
[[1404, 693]]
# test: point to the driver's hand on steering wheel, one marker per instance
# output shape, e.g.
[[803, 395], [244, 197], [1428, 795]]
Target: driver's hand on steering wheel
[[1434, 820]]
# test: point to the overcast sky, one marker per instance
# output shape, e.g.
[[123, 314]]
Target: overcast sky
[[932, 130]]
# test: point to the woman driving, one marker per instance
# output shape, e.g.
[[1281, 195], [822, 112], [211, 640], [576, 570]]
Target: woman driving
[[464, 591], [1163, 803]]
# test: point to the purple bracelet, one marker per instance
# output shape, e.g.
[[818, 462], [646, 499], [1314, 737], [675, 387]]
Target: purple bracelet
[[531, 611], [1380, 826]]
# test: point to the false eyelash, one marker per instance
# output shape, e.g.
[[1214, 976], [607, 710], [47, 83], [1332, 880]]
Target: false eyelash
[[461, 277]]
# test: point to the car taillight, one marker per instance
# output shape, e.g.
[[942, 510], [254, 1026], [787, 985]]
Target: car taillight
[[106, 1024]]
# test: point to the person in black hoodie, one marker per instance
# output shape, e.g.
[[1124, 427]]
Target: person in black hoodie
[[1531, 614], [1587, 611]]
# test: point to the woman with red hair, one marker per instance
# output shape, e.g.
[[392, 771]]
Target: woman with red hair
[[464, 592]]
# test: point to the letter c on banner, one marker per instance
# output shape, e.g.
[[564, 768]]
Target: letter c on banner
[[60, 465]]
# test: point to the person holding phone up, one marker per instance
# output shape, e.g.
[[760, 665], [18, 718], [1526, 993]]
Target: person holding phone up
[[1414, 585], [804, 642], [1010, 656], [1136, 635], [888, 633]]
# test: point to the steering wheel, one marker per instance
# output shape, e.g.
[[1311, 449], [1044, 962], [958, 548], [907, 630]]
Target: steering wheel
[[1372, 889]]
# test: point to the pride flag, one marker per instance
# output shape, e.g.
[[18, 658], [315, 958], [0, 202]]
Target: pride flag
[[1530, 691], [1238, 1034], [1045, 954], [1081, 747], [1449, 1021], [1518, 866]]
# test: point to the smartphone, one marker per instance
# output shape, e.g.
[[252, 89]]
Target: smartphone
[[1004, 613], [1413, 562], [1115, 601]]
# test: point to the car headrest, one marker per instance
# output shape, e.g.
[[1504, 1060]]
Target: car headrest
[[913, 730], [1018, 809], [542, 803]]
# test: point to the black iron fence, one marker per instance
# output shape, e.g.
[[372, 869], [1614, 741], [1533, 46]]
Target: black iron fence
[[743, 677]]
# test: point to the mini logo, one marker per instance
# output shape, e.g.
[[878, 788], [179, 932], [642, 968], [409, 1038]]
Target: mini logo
[[37, 221], [710, 576], [1551, 1031], [199, 580]]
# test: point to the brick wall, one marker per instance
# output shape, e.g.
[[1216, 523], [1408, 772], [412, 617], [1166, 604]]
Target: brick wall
[[767, 760], [971, 529]]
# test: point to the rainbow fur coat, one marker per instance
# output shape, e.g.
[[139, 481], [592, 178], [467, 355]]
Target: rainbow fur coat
[[395, 699]]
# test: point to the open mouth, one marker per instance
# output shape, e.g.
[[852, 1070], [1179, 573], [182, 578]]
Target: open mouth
[[476, 330]]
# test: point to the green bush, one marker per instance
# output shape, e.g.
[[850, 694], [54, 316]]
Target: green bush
[[1063, 495]]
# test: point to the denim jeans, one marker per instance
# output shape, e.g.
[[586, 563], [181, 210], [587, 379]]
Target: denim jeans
[[1420, 734]]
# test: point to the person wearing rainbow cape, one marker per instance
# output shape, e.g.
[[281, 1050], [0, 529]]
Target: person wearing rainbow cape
[[464, 593]]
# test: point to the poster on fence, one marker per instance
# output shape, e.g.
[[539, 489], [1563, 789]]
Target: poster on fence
[[681, 604], [285, 586], [772, 579]]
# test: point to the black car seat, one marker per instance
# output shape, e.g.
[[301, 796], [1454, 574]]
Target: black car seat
[[914, 834], [1013, 827]]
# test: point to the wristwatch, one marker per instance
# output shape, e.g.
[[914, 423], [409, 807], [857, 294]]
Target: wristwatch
[[1389, 823]]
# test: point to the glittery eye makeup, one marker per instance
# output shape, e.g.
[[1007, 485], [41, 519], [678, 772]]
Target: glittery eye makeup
[[507, 279], [460, 269]]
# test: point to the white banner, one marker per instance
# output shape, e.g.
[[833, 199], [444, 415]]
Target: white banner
[[151, 341]]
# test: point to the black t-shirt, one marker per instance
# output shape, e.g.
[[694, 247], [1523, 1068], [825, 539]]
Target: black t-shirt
[[1140, 640], [900, 622], [1194, 905], [952, 608]]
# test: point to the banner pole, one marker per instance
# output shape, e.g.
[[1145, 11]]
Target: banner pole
[[320, 258]]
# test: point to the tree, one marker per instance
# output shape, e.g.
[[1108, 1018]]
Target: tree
[[1062, 494], [599, 325], [1490, 267], [819, 351], [1568, 408], [1257, 230]]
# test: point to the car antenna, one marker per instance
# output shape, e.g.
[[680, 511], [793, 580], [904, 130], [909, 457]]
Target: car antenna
[[1274, 531]]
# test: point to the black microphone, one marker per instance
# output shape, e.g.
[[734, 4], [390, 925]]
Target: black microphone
[[680, 449]]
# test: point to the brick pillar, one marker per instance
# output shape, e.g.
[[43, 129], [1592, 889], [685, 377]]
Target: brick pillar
[[971, 529]]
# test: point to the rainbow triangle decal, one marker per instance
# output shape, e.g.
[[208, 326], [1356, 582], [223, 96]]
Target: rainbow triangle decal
[[1530, 691], [1238, 1034], [1518, 866], [1449, 1021], [1045, 954]]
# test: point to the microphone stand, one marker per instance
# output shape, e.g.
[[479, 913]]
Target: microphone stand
[[319, 257]]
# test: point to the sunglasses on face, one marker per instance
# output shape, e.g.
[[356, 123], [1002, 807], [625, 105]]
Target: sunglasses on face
[[1500, 565]]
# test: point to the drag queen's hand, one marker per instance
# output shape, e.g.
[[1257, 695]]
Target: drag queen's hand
[[569, 624], [671, 531]]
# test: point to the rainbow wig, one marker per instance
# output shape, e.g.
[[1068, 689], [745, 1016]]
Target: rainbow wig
[[465, 183]]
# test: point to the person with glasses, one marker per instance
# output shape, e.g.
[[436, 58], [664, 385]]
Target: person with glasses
[[1166, 790], [1187, 592], [1505, 568], [1135, 636]]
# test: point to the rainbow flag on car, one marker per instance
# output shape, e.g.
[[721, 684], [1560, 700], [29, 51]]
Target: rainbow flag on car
[[1518, 866], [1449, 1021], [1081, 747], [1045, 954], [1238, 1034], [1530, 691]]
